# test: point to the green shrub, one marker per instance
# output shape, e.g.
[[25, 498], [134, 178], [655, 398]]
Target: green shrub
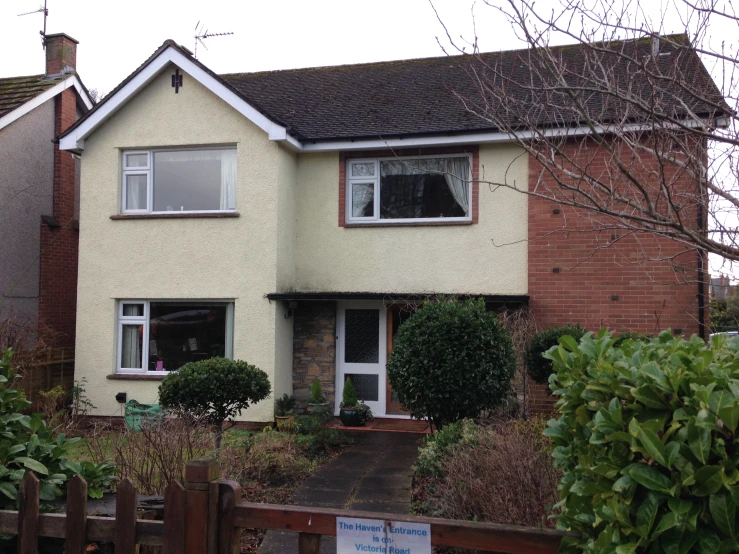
[[451, 360], [647, 444], [284, 405], [349, 395], [27, 443], [539, 368], [436, 448], [630, 335], [316, 392], [216, 389]]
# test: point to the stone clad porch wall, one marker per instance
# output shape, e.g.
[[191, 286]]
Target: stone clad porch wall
[[314, 349]]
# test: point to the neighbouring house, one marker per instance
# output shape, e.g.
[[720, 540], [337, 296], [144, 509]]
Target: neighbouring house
[[286, 218], [39, 198], [721, 288]]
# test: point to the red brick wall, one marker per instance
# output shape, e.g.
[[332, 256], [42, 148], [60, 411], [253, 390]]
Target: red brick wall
[[59, 246], [575, 276], [474, 150]]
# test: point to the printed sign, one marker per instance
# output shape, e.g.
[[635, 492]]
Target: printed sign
[[381, 537]]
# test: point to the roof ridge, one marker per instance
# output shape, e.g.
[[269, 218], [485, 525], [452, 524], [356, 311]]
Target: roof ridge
[[434, 58]]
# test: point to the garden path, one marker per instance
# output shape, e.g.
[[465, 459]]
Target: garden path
[[372, 475]]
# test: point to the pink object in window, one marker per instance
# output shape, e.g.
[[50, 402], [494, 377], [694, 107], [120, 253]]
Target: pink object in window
[[160, 365]]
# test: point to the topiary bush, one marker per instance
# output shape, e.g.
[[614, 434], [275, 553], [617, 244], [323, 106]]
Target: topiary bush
[[451, 360], [647, 442], [216, 389], [539, 368]]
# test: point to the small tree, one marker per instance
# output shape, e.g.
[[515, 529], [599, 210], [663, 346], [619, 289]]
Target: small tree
[[451, 360], [216, 389], [539, 368]]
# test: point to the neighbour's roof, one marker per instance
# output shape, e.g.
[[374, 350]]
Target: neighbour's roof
[[16, 91], [424, 97]]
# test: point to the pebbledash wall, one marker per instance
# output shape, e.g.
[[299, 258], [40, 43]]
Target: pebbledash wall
[[202, 258], [273, 246]]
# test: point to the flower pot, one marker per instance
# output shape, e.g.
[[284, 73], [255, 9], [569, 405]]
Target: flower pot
[[284, 422], [318, 408], [351, 417]]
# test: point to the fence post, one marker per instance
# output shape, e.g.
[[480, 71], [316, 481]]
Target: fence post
[[201, 506], [174, 519], [309, 543], [76, 524], [28, 514], [229, 536], [126, 500]]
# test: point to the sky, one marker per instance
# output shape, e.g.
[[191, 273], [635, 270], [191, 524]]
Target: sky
[[115, 37]]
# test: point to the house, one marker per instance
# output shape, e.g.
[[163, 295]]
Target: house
[[39, 197], [721, 288], [287, 218]]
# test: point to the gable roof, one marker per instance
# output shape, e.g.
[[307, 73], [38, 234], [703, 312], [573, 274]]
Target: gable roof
[[409, 102], [19, 95], [424, 96]]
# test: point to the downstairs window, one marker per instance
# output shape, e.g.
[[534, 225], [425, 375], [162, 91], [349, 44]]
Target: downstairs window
[[163, 336], [409, 189]]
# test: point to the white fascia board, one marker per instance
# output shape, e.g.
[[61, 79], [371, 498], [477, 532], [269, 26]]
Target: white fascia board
[[35, 102], [474, 138], [75, 139]]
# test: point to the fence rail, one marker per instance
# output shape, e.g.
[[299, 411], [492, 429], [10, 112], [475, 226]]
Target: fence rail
[[205, 516]]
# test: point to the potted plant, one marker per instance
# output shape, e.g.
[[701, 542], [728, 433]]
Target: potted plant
[[283, 411], [353, 412], [317, 402]]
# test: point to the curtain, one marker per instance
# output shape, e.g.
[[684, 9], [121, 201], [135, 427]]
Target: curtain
[[457, 174], [131, 346], [362, 194], [456, 171], [228, 180], [135, 200]]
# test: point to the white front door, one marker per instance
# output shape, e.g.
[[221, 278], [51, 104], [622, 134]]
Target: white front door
[[361, 351]]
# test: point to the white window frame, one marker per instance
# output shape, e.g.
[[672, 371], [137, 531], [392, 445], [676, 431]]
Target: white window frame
[[145, 321], [375, 218], [149, 172]]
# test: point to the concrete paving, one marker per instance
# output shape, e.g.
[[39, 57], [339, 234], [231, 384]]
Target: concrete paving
[[372, 475]]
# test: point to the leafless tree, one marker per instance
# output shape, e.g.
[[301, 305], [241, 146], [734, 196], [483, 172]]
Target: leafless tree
[[634, 128]]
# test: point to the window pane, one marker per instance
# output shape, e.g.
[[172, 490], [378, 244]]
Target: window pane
[[363, 195], [131, 341], [367, 386], [185, 332], [424, 188], [194, 180], [137, 160], [363, 169], [136, 192], [362, 336], [133, 310]]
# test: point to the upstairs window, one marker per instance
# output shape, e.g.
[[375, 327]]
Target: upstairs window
[[161, 181], [409, 189]]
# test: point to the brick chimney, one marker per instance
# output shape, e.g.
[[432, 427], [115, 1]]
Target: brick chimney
[[59, 230], [61, 54]]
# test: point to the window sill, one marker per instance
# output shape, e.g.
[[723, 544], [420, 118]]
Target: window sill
[[409, 224], [176, 215], [136, 377]]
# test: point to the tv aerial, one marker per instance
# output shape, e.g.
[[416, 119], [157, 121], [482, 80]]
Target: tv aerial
[[201, 33], [42, 9]]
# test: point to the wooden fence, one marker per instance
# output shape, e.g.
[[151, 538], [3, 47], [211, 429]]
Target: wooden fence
[[206, 515], [45, 369]]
